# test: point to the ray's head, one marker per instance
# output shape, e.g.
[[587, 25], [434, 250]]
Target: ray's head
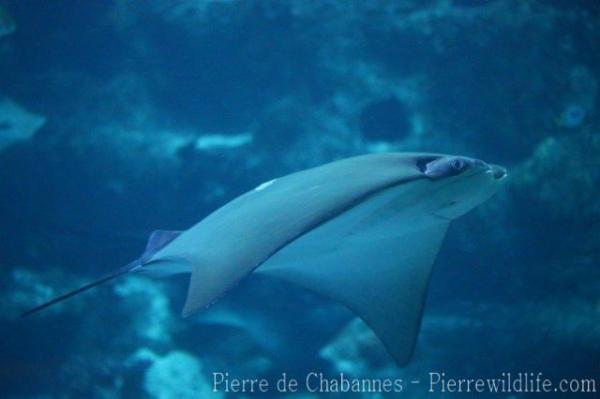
[[458, 184]]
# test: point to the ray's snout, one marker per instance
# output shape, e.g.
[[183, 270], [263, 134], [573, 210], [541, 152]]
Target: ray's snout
[[499, 172]]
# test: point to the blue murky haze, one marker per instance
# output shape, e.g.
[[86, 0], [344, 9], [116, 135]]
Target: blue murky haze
[[119, 117]]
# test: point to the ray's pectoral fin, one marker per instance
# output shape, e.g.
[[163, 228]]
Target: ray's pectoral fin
[[381, 276]]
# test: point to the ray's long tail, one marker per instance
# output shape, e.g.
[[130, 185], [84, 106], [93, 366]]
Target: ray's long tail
[[124, 270]]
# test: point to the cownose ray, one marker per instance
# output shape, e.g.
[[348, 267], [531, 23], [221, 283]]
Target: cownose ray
[[362, 231]]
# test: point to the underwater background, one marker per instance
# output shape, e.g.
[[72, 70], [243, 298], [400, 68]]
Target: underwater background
[[118, 117]]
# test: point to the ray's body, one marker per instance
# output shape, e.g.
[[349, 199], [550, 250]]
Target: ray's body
[[362, 231]]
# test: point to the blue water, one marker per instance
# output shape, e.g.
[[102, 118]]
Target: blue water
[[119, 117]]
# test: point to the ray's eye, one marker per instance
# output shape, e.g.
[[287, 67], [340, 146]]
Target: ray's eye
[[445, 167], [457, 164]]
